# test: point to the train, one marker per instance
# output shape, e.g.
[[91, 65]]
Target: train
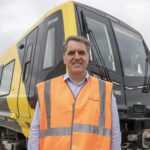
[[119, 54]]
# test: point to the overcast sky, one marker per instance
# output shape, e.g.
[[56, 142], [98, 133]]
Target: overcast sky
[[16, 16]]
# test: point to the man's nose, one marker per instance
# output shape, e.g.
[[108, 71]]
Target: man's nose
[[77, 55]]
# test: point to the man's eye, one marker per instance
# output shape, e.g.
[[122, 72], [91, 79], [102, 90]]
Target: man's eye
[[81, 52], [71, 53]]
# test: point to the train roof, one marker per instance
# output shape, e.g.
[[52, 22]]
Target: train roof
[[102, 13]]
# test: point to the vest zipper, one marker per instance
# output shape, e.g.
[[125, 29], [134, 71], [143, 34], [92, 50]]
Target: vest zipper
[[72, 124], [73, 111]]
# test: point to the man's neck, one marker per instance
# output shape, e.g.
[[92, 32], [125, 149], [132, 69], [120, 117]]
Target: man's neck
[[76, 79]]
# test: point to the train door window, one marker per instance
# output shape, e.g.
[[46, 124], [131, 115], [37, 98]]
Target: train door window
[[50, 47], [28, 59], [100, 33], [29, 55], [6, 78]]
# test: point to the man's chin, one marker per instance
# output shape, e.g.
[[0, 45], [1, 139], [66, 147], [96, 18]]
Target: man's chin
[[77, 71]]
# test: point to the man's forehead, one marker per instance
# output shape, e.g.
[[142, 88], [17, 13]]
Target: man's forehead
[[75, 49], [76, 44], [74, 41]]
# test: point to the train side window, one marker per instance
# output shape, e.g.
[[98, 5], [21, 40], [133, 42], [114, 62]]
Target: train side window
[[50, 48], [6, 78]]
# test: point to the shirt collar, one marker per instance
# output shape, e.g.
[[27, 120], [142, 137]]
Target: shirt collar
[[67, 77]]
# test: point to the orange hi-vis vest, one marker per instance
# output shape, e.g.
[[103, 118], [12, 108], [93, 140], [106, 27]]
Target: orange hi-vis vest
[[69, 123]]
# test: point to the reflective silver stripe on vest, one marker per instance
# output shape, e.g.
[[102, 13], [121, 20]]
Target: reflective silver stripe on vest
[[102, 88], [55, 132], [91, 129], [76, 128], [47, 102]]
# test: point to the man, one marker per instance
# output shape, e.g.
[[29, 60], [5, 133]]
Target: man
[[75, 111]]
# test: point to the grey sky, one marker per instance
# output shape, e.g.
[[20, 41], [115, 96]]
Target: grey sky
[[16, 16]]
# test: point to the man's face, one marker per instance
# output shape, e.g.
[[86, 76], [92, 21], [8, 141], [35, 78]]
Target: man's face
[[76, 58]]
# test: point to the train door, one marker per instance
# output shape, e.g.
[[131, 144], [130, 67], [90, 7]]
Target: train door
[[50, 61], [105, 62], [27, 51]]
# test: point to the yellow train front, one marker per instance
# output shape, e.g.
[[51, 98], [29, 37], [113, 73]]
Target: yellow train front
[[37, 56]]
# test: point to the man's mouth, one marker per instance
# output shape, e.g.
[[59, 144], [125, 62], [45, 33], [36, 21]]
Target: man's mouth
[[77, 64]]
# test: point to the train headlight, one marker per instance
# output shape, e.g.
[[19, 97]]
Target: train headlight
[[132, 137], [146, 138]]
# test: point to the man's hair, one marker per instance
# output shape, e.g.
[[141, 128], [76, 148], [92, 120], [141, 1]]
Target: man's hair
[[76, 38]]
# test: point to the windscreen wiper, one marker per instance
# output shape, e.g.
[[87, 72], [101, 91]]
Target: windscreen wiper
[[146, 86], [1, 72], [89, 34]]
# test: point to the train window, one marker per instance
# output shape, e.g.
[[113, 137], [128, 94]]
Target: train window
[[6, 78], [100, 33], [50, 47], [132, 51]]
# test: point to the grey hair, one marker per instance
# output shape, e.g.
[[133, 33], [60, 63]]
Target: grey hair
[[76, 38]]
